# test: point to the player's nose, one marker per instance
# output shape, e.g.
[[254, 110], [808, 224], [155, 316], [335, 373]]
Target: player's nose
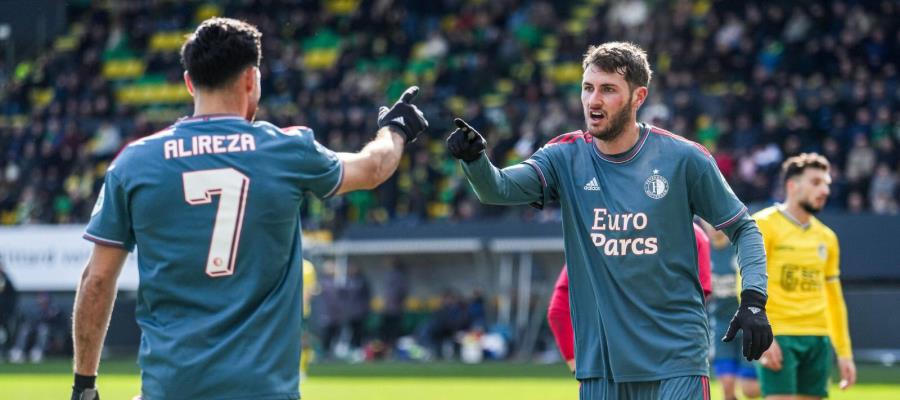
[[594, 100]]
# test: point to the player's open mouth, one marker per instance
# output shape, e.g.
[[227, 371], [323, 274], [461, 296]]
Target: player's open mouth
[[597, 116]]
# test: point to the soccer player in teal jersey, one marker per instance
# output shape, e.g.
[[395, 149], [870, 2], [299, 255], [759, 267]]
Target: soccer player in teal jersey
[[628, 193], [729, 367], [212, 204]]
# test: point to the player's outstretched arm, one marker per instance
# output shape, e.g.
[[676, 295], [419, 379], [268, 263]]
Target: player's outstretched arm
[[517, 184], [377, 161], [93, 306]]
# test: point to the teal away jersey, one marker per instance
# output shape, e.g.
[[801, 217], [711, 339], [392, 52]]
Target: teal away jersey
[[213, 206], [637, 305]]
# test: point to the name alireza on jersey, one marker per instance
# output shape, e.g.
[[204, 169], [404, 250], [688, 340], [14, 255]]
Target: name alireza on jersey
[[209, 144]]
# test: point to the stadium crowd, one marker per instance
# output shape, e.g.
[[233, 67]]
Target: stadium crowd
[[753, 81]]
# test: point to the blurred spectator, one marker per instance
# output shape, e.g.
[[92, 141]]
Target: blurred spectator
[[9, 298], [883, 191], [357, 301], [440, 331], [42, 331], [860, 163], [329, 309], [476, 311], [396, 288]]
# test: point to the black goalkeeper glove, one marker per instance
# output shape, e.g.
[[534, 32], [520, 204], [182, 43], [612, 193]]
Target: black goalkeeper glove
[[751, 317], [84, 388], [465, 143], [404, 115]]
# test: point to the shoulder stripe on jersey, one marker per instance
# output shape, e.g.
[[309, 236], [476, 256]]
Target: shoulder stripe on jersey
[[663, 132], [629, 157], [732, 219], [539, 172], [570, 137], [340, 180], [140, 141], [301, 127], [295, 130], [100, 240], [163, 133]]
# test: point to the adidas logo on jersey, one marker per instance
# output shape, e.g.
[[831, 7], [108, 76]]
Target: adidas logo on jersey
[[592, 185]]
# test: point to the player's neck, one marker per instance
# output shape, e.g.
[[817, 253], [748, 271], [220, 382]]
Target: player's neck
[[621, 143], [796, 212], [219, 103]]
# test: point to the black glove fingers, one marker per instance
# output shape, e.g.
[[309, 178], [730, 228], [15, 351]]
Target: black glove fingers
[[746, 344], [759, 343], [732, 330], [453, 147], [421, 117], [409, 94]]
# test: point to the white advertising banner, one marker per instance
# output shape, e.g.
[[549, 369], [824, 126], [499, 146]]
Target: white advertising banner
[[51, 257]]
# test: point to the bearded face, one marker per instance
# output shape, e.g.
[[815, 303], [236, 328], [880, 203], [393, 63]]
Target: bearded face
[[606, 101]]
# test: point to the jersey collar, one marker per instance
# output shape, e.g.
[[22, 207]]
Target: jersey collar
[[210, 117], [781, 209], [629, 155]]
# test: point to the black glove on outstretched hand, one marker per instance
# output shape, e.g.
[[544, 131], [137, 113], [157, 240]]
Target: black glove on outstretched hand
[[751, 317], [465, 143], [84, 388], [404, 115]]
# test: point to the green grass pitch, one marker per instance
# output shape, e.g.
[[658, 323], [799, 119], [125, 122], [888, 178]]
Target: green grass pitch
[[395, 381]]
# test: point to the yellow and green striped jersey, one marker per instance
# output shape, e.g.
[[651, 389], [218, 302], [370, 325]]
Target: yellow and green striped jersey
[[804, 288]]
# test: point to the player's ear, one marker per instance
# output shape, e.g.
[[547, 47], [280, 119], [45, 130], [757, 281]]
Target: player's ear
[[789, 185], [640, 95], [188, 83], [249, 79]]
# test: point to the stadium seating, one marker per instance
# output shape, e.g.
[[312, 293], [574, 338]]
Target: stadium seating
[[753, 81]]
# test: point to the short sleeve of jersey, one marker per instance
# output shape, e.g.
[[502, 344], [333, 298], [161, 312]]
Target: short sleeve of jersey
[[110, 222], [765, 230], [543, 162], [320, 171], [710, 196], [832, 268]]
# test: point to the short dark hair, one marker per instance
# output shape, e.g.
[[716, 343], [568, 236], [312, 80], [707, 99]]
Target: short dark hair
[[625, 58], [795, 165], [219, 50]]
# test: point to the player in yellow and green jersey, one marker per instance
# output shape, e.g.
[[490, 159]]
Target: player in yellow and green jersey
[[310, 289], [806, 306]]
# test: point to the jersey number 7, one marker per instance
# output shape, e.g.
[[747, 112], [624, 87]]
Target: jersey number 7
[[231, 187]]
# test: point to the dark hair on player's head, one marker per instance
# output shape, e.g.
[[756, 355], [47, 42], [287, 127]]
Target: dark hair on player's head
[[219, 50], [621, 57], [795, 165]]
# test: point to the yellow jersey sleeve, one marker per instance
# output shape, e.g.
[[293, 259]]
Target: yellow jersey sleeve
[[765, 229], [310, 285], [838, 327], [832, 267]]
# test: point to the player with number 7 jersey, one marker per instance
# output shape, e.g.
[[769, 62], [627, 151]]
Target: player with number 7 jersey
[[212, 205]]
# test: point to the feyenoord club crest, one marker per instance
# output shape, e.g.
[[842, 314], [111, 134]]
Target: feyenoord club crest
[[656, 186]]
